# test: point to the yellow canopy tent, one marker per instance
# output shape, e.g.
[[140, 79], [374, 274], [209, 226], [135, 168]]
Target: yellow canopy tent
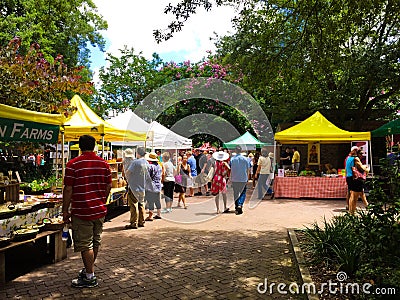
[[10, 112], [17, 124], [318, 129], [85, 121]]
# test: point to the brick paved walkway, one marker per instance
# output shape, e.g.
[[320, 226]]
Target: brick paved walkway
[[218, 257]]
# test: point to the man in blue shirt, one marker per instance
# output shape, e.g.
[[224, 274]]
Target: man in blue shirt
[[240, 168], [193, 169]]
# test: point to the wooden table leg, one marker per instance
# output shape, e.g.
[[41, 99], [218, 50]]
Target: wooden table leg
[[60, 247]]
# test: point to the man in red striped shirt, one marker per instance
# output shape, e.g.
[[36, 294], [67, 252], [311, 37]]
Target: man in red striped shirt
[[87, 184]]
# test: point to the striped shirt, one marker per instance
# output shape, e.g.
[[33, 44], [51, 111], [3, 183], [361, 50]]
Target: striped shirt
[[89, 176]]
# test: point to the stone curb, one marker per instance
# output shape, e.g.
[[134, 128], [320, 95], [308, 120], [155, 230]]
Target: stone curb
[[301, 263]]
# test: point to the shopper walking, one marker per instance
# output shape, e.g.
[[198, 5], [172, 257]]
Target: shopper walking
[[87, 184], [218, 185], [137, 174], [153, 186], [240, 167], [185, 173], [191, 160], [168, 180], [356, 187], [263, 171]]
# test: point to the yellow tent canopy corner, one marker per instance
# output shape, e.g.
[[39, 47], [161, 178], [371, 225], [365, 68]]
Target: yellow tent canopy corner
[[86, 121], [318, 129], [17, 124]]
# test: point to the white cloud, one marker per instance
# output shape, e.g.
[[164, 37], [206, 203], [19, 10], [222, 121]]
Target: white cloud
[[132, 23]]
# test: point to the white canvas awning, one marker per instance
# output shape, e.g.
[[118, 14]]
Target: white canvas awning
[[165, 138], [158, 136]]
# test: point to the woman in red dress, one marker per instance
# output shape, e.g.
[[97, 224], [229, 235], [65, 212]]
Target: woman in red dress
[[219, 180]]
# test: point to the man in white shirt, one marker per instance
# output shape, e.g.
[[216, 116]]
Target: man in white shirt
[[263, 172]]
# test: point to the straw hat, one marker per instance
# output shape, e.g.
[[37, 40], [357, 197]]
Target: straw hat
[[354, 148], [251, 155], [152, 156], [128, 153], [270, 155], [220, 155]]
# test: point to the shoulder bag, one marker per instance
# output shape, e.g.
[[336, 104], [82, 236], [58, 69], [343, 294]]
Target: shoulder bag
[[357, 175]]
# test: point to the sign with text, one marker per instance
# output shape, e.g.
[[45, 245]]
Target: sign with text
[[26, 131]]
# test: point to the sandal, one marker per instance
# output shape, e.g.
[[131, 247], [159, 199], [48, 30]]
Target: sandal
[[148, 219]]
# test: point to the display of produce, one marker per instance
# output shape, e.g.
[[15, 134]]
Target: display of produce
[[38, 226], [53, 223], [24, 234], [290, 173], [307, 173]]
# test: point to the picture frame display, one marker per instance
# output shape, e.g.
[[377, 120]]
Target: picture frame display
[[313, 156]]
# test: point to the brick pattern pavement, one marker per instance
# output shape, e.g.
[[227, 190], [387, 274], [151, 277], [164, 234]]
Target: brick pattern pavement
[[224, 257], [170, 263]]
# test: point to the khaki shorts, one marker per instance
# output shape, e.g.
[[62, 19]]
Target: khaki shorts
[[135, 197], [86, 234]]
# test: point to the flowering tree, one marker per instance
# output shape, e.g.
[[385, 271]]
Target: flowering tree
[[131, 77], [31, 82]]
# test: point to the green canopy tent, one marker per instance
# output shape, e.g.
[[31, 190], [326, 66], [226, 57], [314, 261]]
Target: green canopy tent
[[390, 128], [247, 141]]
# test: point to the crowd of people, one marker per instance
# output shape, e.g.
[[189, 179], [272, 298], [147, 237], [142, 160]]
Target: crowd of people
[[87, 184], [190, 174]]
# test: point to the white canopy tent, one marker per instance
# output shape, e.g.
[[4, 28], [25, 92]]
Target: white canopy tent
[[164, 138], [129, 119], [158, 136]]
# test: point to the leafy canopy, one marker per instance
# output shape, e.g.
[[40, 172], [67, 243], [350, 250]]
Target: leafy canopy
[[301, 56], [59, 27]]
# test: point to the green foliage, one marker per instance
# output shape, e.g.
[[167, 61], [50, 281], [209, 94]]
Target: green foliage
[[60, 27], [39, 185], [31, 82], [302, 56], [335, 245], [130, 78], [366, 245], [127, 80]]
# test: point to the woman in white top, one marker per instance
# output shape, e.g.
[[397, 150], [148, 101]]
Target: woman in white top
[[168, 181]]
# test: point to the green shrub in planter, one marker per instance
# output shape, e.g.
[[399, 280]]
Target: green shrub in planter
[[335, 244]]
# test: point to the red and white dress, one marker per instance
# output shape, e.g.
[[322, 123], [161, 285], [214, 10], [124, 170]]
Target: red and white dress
[[219, 179]]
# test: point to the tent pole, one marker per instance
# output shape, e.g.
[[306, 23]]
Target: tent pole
[[57, 160], [176, 158], [62, 157], [391, 144], [274, 160], [370, 156], [102, 146]]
